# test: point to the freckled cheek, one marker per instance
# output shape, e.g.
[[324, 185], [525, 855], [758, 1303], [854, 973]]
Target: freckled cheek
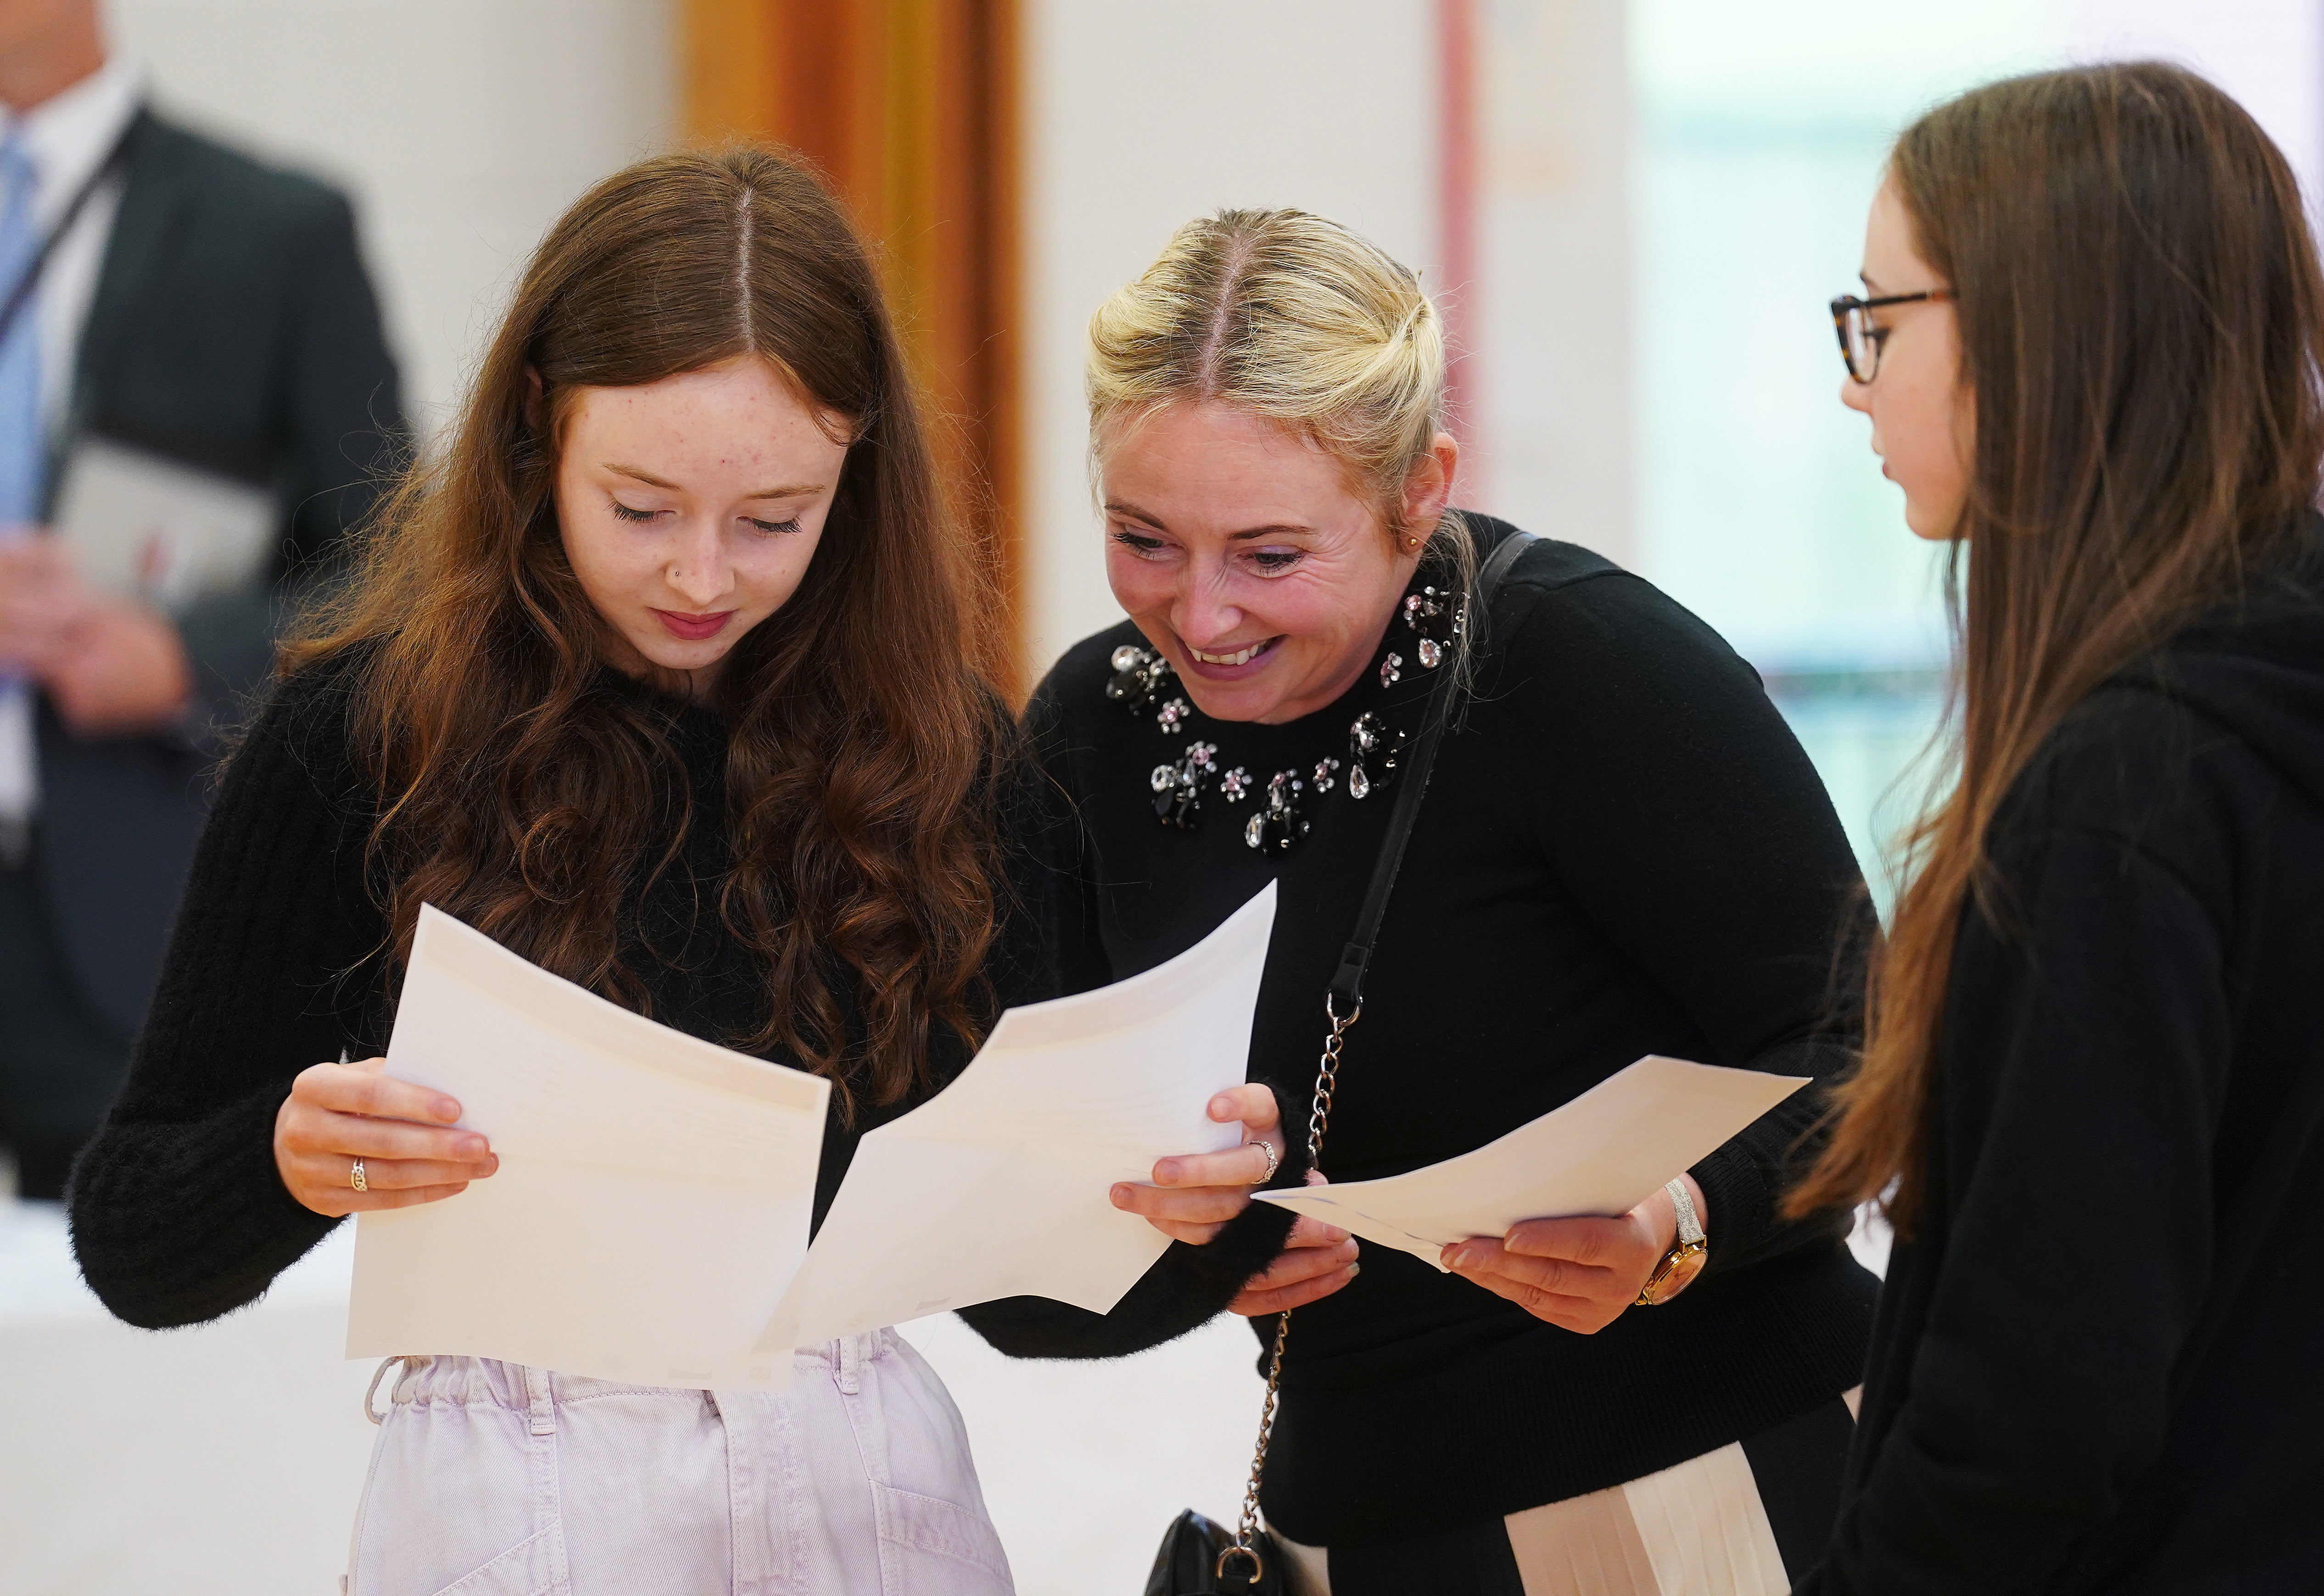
[[771, 579], [604, 574], [647, 566]]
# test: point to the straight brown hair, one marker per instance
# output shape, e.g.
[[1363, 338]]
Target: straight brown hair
[[529, 790], [2142, 329]]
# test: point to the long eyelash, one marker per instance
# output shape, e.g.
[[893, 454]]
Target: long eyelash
[[623, 512], [791, 525], [1132, 541]]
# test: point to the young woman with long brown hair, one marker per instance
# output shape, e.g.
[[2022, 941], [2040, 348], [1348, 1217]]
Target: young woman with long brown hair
[[660, 677], [2090, 345]]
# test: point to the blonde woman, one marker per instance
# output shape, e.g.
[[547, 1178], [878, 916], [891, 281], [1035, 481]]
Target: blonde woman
[[1623, 851]]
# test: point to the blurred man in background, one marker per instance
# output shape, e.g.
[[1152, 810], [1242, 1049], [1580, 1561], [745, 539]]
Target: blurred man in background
[[204, 324]]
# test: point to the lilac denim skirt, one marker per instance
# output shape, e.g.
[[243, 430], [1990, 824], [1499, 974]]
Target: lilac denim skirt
[[491, 1479]]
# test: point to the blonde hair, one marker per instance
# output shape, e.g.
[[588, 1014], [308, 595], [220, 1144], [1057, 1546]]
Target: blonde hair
[[1292, 317]]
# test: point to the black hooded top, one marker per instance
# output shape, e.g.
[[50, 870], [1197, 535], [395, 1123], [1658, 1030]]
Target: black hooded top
[[2095, 1363]]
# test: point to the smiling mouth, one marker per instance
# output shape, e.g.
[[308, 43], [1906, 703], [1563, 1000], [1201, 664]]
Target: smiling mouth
[[1240, 656]]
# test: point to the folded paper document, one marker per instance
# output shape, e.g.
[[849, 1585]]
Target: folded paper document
[[997, 1187], [653, 1194], [649, 1218], [149, 527], [1603, 1153]]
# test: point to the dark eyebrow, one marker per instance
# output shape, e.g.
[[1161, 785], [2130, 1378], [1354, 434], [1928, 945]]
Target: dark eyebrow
[[638, 474], [1278, 530]]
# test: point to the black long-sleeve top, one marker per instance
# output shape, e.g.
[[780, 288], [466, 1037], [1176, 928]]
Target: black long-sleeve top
[[1623, 851], [2095, 1362], [178, 1213]]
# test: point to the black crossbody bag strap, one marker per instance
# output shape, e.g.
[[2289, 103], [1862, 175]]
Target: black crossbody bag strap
[[1347, 993], [1243, 1565]]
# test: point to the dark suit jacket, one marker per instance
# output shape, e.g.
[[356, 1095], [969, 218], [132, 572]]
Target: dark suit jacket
[[233, 329]]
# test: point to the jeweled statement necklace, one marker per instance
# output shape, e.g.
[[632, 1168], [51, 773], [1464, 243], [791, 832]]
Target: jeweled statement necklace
[[1142, 684]]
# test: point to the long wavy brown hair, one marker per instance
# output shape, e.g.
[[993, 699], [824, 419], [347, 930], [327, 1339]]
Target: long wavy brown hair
[[530, 792], [2141, 327]]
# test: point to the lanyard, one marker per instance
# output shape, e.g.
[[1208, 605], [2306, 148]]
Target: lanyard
[[20, 293]]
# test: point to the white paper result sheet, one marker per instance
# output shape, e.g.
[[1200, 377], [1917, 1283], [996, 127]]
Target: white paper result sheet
[[998, 1186], [1603, 1153], [654, 1196]]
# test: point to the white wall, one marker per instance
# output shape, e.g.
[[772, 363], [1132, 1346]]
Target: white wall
[[462, 127], [1144, 114], [1141, 115], [1552, 340]]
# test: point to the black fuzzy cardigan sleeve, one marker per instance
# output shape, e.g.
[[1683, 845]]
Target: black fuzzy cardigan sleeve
[[178, 1214]]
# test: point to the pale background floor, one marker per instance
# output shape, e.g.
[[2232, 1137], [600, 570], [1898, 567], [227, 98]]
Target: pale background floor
[[227, 1458]]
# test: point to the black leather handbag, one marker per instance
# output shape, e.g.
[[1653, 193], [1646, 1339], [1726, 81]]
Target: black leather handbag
[[1201, 1557]]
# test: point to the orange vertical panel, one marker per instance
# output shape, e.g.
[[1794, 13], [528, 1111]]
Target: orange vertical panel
[[729, 55], [910, 108]]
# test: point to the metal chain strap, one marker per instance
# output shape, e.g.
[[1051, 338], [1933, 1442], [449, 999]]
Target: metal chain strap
[[1319, 1120], [1327, 1080], [1244, 1547]]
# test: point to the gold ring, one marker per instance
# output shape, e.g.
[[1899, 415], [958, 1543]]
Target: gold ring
[[355, 1176]]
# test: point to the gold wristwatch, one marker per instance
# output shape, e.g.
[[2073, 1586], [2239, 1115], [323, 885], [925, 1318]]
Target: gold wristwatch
[[1686, 1257]]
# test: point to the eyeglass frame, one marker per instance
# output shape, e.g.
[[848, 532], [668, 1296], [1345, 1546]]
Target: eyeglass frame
[[1847, 305]]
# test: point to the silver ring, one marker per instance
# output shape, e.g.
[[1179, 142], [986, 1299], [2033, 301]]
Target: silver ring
[[355, 1176], [1274, 1159]]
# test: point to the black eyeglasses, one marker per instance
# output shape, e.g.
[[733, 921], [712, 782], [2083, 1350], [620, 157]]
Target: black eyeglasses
[[1861, 342]]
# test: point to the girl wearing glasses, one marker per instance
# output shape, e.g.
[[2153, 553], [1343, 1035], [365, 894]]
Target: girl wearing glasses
[[2093, 1088]]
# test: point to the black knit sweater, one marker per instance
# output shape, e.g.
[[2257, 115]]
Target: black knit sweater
[[2094, 1367], [1623, 851], [178, 1213]]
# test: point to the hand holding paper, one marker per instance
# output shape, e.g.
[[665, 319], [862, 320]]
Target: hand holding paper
[[649, 1220], [653, 1191], [1603, 1153], [998, 1186]]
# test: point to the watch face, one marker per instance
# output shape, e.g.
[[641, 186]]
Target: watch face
[[1683, 1268]]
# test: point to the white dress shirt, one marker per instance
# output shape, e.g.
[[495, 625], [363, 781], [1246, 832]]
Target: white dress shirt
[[67, 137]]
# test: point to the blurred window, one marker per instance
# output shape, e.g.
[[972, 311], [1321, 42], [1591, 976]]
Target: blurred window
[[1761, 133]]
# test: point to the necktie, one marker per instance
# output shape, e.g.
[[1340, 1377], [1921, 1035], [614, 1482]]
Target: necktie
[[22, 447]]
